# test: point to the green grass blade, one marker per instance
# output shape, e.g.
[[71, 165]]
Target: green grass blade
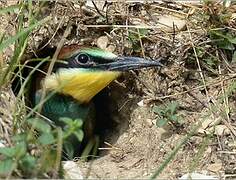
[[9, 9], [29, 76], [11, 40], [174, 152], [2, 37]]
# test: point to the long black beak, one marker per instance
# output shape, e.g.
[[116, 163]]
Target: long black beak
[[130, 63]]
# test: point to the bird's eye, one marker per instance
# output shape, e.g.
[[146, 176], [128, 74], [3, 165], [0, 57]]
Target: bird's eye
[[83, 58]]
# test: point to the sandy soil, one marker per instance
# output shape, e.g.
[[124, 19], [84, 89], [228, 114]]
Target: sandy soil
[[135, 146]]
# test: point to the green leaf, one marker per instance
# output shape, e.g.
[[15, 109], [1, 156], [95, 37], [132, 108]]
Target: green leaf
[[222, 39], [216, 34], [158, 110], [161, 122], [172, 107], [72, 124], [211, 61], [225, 44], [20, 149], [40, 125], [79, 123], [143, 32], [46, 139], [79, 134], [6, 166], [200, 52], [232, 40], [17, 151], [132, 37], [66, 120], [8, 151], [28, 163], [19, 137], [174, 118]]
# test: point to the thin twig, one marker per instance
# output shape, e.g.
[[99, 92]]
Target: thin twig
[[226, 104], [54, 34], [171, 10], [98, 11], [59, 152], [198, 64]]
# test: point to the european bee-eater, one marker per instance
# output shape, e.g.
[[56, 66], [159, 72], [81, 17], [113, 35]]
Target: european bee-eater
[[78, 75]]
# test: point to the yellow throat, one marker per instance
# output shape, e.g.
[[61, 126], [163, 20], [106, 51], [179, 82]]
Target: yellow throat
[[79, 83]]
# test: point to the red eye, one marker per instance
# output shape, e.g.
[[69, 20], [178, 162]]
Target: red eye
[[82, 58]]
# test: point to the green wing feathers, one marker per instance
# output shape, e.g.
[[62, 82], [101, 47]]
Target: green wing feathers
[[59, 106]]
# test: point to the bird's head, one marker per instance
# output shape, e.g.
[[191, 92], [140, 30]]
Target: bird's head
[[86, 71]]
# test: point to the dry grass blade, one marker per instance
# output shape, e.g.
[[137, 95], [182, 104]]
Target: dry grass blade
[[186, 118], [60, 45]]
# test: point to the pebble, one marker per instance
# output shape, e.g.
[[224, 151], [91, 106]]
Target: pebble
[[102, 42], [72, 170]]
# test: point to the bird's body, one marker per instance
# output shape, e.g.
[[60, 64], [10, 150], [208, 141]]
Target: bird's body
[[59, 105], [78, 75], [63, 106]]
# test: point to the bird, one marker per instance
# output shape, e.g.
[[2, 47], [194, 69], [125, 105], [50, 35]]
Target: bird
[[80, 73]]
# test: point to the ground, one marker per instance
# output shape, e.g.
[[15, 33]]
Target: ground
[[197, 74]]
